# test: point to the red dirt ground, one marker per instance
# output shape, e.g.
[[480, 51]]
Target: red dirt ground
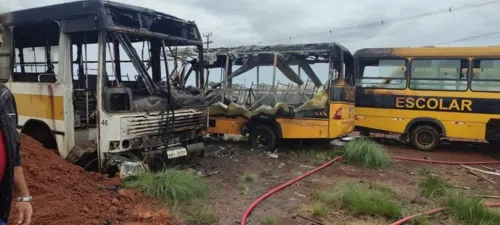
[[66, 194]]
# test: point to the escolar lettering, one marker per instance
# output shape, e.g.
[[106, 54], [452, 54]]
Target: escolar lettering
[[434, 103]]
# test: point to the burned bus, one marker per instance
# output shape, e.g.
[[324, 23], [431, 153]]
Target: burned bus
[[322, 110], [94, 80]]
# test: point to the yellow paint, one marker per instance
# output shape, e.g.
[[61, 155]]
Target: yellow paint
[[383, 119], [40, 106], [464, 52], [297, 128]]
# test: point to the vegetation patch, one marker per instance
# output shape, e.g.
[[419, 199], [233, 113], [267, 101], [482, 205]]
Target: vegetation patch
[[470, 210], [269, 220], [361, 200], [433, 186], [319, 209], [170, 185], [201, 216], [366, 153], [419, 220]]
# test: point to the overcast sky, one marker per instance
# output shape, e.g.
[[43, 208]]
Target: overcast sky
[[246, 22]]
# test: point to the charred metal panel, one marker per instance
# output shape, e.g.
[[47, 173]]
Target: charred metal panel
[[88, 23], [97, 14], [373, 52]]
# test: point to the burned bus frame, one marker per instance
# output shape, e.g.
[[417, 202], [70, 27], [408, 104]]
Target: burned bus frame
[[126, 22], [92, 15], [282, 57]]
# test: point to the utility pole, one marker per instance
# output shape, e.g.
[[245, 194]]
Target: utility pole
[[208, 42]]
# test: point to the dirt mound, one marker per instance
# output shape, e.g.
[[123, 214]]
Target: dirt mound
[[66, 194]]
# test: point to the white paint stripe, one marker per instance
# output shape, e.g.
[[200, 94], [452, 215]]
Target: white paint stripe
[[55, 125]]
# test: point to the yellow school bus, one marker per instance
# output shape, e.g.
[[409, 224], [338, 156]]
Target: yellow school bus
[[429, 94], [329, 114]]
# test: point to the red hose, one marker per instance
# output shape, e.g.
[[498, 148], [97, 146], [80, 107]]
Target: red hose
[[282, 186], [434, 211], [269, 193]]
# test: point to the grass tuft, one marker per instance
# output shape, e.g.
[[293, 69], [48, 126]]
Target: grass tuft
[[170, 185], [469, 210], [202, 216], [319, 209], [360, 200], [433, 186], [366, 153], [248, 177], [419, 220], [269, 220]]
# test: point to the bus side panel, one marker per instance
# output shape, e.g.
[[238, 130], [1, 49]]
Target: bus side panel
[[226, 125], [457, 125], [41, 102], [303, 128], [344, 126]]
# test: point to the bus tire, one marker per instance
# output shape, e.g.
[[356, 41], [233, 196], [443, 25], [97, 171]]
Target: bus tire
[[263, 137], [425, 138]]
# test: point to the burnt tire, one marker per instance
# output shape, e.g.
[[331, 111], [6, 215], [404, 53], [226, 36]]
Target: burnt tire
[[425, 138], [263, 137]]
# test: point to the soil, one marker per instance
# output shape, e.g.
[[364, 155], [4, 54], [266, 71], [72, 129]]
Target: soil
[[230, 196], [66, 194]]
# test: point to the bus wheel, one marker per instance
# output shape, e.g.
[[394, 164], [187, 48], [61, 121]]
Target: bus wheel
[[425, 138], [263, 137]]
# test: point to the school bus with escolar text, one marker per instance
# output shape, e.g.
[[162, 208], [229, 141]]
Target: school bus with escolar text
[[429, 94]]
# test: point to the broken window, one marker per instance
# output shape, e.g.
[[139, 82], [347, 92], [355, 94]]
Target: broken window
[[385, 73], [36, 49]]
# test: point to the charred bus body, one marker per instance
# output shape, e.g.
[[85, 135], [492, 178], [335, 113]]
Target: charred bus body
[[326, 113], [83, 87]]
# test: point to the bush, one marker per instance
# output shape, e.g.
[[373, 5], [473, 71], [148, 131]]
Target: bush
[[366, 153], [319, 209], [202, 215], [170, 185], [469, 210], [359, 200], [433, 187]]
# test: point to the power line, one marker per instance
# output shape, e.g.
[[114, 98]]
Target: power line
[[384, 22], [468, 38]]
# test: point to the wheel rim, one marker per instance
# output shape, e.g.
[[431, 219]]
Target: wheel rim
[[425, 139], [262, 140]]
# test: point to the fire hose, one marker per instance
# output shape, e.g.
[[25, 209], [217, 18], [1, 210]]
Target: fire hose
[[402, 221]]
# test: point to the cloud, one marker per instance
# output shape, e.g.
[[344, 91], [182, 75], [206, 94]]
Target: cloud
[[245, 22]]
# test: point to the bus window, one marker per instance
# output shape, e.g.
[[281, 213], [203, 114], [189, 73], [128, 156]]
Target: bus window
[[439, 74], [36, 53], [485, 76], [382, 74]]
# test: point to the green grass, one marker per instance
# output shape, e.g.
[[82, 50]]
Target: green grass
[[319, 209], [201, 216], [170, 185], [419, 220], [248, 177], [269, 220], [433, 186], [244, 181], [366, 153], [360, 200], [469, 210]]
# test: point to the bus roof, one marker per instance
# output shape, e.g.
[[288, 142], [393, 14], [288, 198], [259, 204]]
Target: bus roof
[[81, 16], [429, 51], [281, 48]]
